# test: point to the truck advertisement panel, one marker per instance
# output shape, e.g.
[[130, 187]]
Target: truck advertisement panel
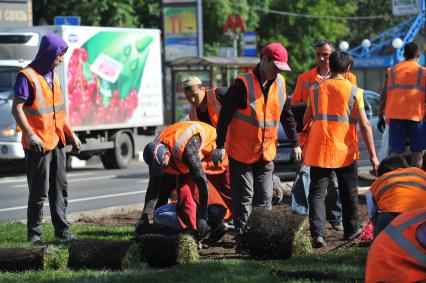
[[113, 77]]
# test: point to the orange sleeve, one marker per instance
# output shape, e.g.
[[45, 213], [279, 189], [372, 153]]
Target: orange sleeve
[[297, 96], [352, 78]]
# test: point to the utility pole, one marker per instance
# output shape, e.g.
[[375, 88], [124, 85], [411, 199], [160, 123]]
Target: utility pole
[[200, 27]]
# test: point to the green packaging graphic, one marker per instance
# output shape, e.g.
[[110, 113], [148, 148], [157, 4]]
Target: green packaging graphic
[[105, 76]]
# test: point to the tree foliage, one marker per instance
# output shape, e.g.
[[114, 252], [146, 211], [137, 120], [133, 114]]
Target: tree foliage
[[298, 34]]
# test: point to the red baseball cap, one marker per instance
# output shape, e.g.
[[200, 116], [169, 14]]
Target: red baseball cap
[[277, 53]]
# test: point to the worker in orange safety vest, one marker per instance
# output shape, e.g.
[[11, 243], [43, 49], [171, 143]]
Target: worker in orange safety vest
[[183, 149], [398, 254], [403, 103], [334, 107], [300, 188], [248, 123], [398, 189], [39, 110]]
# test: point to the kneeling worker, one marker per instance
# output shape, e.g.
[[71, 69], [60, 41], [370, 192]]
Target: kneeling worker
[[398, 189], [183, 149], [399, 252]]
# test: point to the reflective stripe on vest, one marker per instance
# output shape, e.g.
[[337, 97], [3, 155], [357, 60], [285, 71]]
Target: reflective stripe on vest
[[185, 135], [332, 117], [308, 84], [42, 109], [252, 99], [213, 99], [396, 233], [417, 86], [389, 186]]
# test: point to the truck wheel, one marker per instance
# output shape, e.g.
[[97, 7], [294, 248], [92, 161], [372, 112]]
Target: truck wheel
[[120, 156]]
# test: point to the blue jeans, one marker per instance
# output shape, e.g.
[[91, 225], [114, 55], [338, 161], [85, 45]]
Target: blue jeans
[[300, 193], [166, 215]]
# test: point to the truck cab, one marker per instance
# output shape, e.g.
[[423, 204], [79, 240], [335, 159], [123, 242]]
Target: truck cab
[[10, 135]]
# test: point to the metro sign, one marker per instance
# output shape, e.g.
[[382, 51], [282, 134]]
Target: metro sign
[[233, 25]]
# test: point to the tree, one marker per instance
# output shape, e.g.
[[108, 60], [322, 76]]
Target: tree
[[112, 13], [299, 34]]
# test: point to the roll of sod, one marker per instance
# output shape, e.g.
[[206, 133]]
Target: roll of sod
[[276, 235], [168, 250], [103, 254], [34, 258]]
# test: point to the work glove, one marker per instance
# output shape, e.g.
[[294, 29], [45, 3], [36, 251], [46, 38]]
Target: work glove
[[218, 156], [381, 124], [36, 144], [202, 229], [76, 144], [297, 151]]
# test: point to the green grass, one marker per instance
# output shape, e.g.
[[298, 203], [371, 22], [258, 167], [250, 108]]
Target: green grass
[[348, 263]]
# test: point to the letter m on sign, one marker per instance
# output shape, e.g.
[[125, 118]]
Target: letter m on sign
[[233, 25]]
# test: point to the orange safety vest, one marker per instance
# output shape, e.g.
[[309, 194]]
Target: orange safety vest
[[308, 79], [300, 95], [213, 108], [253, 131], [396, 255], [405, 92], [176, 137], [400, 190], [333, 139], [46, 115]]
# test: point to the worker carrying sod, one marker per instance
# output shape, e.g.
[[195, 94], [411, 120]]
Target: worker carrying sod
[[398, 189], [253, 107], [300, 189], [183, 149], [335, 107], [205, 107], [399, 252]]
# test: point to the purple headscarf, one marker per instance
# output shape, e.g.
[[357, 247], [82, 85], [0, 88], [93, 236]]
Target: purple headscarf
[[50, 47]]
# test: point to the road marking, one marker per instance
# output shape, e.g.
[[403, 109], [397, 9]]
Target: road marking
[[24, 179], [81, 199], [143, 181], [76, 180]]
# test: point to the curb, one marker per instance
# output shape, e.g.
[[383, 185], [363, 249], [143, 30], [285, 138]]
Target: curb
[[96, 213]]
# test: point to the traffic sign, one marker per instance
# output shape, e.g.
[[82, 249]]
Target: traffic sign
[[66, 20], [249, 44]]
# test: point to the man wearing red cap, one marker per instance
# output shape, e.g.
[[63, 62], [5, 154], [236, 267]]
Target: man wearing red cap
[[253, 107]]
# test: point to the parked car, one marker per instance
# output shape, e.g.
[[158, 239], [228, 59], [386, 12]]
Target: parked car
[[285, 165]]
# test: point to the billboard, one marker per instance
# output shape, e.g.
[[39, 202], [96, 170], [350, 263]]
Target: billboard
[[14, 13], [180, 32], [405, 7]]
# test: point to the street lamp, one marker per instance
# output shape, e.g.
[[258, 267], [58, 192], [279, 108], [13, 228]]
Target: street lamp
[[344, 45], [366, 43], [397, 43]]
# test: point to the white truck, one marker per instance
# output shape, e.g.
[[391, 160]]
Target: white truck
[[112, 81]]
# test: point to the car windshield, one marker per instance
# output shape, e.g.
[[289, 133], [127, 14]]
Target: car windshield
[[373, 99], [7, 81]]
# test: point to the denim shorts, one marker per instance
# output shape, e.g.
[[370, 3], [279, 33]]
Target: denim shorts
[[400, 130]]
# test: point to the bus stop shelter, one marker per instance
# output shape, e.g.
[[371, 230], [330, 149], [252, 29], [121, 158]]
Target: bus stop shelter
[[213, 72]]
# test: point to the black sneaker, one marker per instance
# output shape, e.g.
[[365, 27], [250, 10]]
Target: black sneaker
[[217, 234], [352, 236], [66, 236], [318, 242], [34, 239]]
